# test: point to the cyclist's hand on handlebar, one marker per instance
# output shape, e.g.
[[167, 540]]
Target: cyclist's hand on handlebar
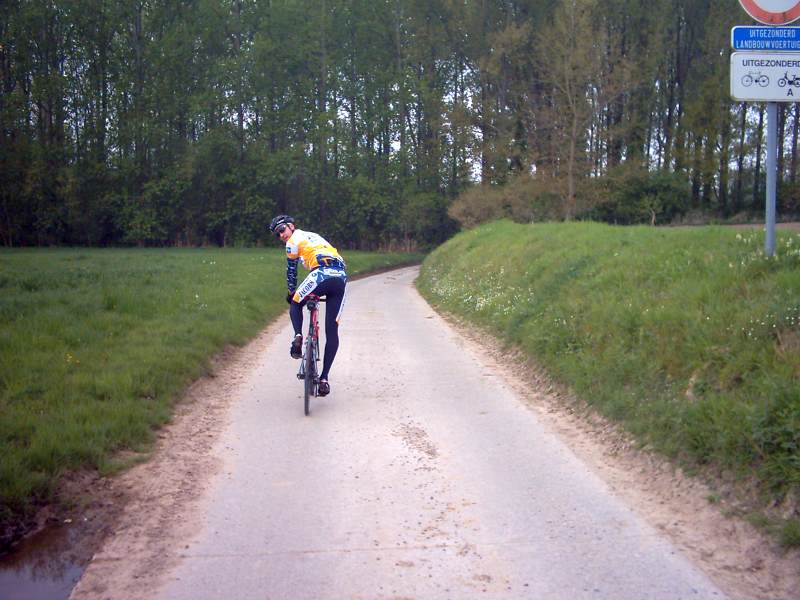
[[289, 296]]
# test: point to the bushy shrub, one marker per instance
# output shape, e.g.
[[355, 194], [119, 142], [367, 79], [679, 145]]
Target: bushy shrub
[[424, 215], [476, 205], [627, 195], [364, 212], [631, 194], [789, 200], [524, 199]]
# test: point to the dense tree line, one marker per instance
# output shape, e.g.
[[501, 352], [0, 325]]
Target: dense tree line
[[189, 122]]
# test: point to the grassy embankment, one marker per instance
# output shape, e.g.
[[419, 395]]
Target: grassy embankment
[[95, 346], [688, 337]]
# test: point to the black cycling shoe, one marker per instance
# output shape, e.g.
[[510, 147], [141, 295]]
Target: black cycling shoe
[[296, 349], [323, 387]]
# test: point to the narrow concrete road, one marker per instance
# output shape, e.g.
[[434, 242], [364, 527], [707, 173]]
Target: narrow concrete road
[[420, 476]]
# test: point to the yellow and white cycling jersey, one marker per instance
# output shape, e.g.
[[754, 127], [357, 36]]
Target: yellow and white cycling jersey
[[313, 250]]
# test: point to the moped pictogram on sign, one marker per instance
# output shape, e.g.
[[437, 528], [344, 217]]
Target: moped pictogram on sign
[[793, 80]]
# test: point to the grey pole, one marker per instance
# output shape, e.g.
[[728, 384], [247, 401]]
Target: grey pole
[[772, 168]]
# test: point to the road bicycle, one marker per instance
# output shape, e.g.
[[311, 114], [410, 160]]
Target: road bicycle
[[308, 371]]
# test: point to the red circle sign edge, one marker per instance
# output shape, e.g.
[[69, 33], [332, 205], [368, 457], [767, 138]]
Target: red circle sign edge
[[771, 18]]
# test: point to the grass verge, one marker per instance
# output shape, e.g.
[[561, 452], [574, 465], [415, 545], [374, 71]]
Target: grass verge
[[96, 345], [688, 337]]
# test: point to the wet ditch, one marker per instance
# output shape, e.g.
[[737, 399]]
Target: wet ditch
[[47, 565]]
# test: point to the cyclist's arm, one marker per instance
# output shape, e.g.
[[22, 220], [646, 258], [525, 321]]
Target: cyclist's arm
[[292, 258], [291, 274]]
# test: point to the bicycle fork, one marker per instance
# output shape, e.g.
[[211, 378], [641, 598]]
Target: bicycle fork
[[313, 331]]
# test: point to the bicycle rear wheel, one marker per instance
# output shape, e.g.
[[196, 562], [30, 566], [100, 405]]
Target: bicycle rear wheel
[[311, 374]]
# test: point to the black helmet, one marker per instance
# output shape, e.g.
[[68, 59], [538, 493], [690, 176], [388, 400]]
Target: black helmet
[[280, 220]]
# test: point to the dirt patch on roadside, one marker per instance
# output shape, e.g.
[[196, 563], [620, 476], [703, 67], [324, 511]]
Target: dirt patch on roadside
[[160, 500], [743, 561]]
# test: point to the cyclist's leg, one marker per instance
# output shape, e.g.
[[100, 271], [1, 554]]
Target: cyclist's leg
[[296, 315], [308, 286], [334, 290]]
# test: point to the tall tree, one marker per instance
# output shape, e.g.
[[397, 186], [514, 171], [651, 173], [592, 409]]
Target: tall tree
[[568, 68]]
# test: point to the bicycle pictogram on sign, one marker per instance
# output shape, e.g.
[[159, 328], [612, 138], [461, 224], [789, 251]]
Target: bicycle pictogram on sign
[[755, 77]]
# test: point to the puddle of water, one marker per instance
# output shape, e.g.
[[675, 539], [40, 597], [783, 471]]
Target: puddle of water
[[44, 567]]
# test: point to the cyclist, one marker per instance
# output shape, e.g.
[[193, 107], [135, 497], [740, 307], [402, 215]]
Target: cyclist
[[328, 277]]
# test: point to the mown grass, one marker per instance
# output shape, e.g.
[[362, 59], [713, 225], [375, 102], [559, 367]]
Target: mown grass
[[689, 337], [95, 346]]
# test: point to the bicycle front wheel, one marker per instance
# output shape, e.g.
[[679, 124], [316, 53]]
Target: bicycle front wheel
[[311, 373]]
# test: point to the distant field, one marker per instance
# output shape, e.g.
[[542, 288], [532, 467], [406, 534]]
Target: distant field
[[95, 346], [790, 226], [690, 337]]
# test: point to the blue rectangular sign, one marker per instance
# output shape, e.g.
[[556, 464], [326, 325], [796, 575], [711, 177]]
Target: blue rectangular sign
[[760, 39]]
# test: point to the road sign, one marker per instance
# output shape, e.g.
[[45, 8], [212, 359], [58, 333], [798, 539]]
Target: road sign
[[772, 12], [781, 39], [765, 76]]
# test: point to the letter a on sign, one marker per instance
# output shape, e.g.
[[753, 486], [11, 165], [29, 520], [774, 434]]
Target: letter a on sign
[[772, 12]]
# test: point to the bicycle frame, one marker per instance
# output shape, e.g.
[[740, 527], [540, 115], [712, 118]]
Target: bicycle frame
[[308, 371]]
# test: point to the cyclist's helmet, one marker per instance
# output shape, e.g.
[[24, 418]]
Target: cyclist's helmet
[[279, 220]]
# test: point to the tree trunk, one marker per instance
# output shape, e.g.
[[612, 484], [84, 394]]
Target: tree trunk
[[237, 53], [737, 198], [724, 169], [757, 172], [402, 101], [573, 142], [138, 101], [781, 132], [707, 169], [322, 107], [697, 178], [793, 164]]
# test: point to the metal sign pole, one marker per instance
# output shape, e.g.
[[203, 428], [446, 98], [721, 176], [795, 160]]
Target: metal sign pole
[[773, 40], [772, 175]]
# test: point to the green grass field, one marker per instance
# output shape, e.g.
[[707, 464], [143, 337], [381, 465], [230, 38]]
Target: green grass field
[[689, 337], [96, 345]]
